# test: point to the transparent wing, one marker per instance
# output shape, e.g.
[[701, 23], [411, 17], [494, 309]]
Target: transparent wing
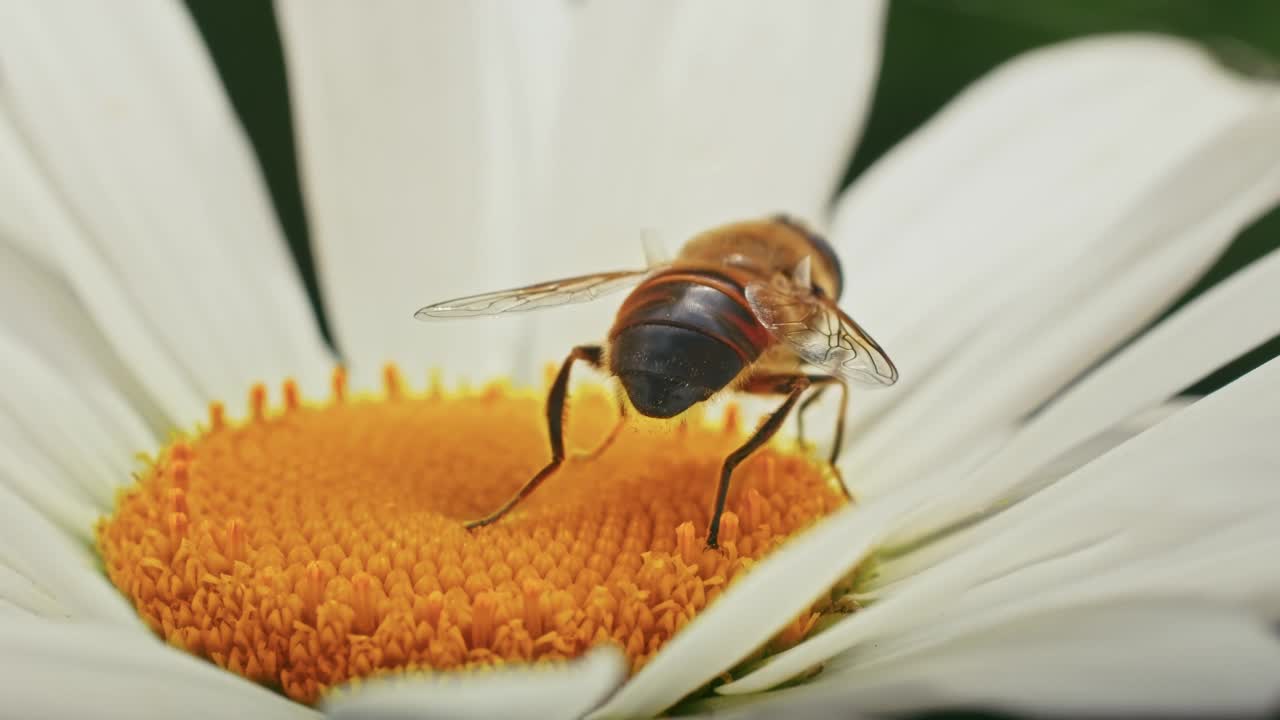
[[534, 297], [819, 332]]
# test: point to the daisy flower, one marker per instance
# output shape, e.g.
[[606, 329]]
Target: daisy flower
[[203, 518]]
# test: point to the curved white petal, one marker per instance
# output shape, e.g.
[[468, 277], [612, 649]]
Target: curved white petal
[[416, 143], [757, 606], [1223, 323], [92, 444], [1159, 657], [992, 251], [1201, 481], [60, 268], [65, 670], [28, 471], [1098, 444], [1186, 508], [19, 593], [60, 567], [566, 691], [124, 116], [41, 312], [678, 117]]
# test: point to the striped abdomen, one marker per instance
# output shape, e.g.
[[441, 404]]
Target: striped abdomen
[[682, 336]]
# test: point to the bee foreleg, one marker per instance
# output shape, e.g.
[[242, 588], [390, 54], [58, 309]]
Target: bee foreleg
[[592, 354], [777, 384], [793, 386]]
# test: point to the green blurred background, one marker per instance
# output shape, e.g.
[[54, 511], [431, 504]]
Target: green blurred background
[[932, 50]]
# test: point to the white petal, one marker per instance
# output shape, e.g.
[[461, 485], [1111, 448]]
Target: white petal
[[1036, 146], [567, 691], [1071, 459], [1116, 566], [125, 115], [1100, 443], [414, 131], [1001, 239], [1160, 657], [67, 670], [1219, 325], [62, 568], [1132, 522], [1201, 482], [62, 267], [681, 116], [92, 444], [756, 607], [540, 33], [52, 490], [19, 593], [42, 313]]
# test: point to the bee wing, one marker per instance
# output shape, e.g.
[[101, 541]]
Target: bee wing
[[815, 328], [534, 297]]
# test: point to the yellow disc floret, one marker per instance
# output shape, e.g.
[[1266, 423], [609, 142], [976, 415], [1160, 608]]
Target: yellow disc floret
[[314, 544]]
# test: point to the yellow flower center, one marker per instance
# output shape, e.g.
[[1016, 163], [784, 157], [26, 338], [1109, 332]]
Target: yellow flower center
[[317, 543]]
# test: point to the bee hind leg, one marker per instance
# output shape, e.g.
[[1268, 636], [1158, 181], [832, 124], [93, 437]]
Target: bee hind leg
[[813, 398], [591, 354], [791, 385], [822, 382]]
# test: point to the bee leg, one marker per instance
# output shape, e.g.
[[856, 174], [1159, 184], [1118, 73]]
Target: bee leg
[[769, 384], [592, 354], [613, 434], [822, 382], [793, 386], [813, 398]]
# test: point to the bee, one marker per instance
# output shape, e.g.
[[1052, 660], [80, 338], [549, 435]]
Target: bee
[[749, 306]]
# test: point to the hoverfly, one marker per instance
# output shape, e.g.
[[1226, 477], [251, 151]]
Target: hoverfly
[[749, 306]]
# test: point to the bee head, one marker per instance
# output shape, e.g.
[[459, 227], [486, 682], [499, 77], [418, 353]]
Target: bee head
[[667, 369]]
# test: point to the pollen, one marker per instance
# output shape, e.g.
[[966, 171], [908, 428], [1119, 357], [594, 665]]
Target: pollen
[[315, 543]]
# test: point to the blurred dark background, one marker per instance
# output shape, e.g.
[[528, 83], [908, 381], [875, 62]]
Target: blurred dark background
[[933, 49]]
